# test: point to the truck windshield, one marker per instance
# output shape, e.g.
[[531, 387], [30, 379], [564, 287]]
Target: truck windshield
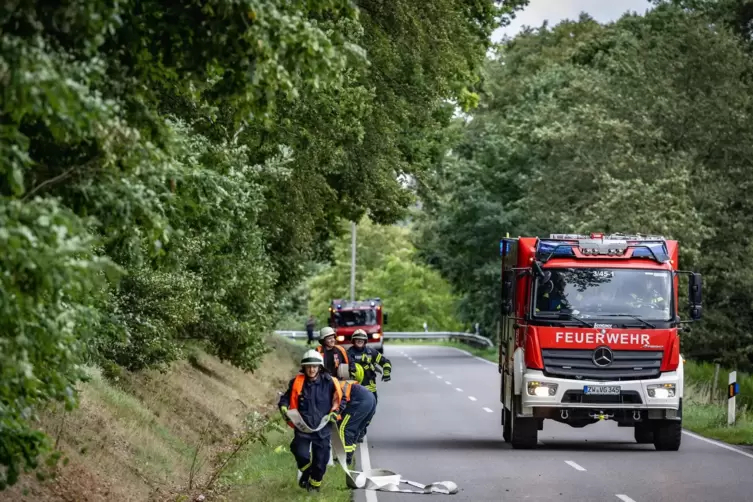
[[595, 293], [347, 318]]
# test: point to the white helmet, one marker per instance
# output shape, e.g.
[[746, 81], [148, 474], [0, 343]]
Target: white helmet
[[325, 332], [312, 358]]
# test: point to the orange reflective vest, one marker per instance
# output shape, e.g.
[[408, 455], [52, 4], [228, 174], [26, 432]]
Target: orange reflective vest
[[295, 393], [343, 353], [346, 386]]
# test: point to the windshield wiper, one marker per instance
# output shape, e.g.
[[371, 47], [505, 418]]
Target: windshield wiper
[[634, 317], [569, 316]]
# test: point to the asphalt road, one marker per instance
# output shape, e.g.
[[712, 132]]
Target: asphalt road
[[439, 419]]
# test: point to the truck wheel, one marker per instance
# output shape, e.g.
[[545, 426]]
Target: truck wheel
[[644, 434], [524, 432], [506, 425], [667, 435]]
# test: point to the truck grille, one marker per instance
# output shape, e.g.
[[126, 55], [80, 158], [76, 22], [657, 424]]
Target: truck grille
[[626, 365]]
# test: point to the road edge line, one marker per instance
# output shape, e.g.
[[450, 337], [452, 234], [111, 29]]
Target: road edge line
[[366, 466], [469, 354], [717, 443]]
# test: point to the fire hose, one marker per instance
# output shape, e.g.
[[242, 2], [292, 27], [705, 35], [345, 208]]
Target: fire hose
[[372, 479]]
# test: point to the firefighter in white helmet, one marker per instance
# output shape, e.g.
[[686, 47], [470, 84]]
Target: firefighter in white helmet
[[334, 355], [315, 394]]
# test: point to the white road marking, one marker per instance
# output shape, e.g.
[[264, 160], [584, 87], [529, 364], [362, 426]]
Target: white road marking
[[475, 357], [430, 371], [458, 389], [574, 465], [448, 383], [717, 443], [488, 410], [420, 366], [366, 466], [439, 377], [624, 498], [471, 398]]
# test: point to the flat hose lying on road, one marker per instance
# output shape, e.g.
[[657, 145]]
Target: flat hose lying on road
[[372, 479]]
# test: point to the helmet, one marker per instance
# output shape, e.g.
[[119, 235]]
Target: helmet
[[312, 358], [325, 332], [359, 373], [359, 334]]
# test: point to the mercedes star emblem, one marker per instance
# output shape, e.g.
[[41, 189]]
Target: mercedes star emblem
[[603, 356]]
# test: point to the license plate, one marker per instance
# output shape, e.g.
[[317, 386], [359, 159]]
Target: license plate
[[601, 390]]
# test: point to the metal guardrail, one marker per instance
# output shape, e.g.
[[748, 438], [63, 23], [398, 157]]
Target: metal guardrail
[[470, 338]]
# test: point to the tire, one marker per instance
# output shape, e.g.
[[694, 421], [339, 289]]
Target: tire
[[524, 433], [506, 425], [667, 435], [644, 433]]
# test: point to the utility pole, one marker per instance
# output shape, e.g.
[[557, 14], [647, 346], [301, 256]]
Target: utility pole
[[352, 261]]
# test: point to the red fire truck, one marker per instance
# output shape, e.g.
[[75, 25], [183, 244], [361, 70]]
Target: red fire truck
[[345, 317], [589, 332]]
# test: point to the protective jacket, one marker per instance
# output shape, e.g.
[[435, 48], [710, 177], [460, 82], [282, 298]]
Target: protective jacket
[[368, 359], [314, 399]]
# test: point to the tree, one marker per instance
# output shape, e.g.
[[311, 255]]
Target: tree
[[386, 267], [167, 169], [608, 128]]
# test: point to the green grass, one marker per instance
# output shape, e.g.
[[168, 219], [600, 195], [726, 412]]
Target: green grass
[[268, 474], [705, 408]]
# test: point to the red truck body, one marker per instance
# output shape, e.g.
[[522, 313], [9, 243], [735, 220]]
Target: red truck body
[[345, 317], [589, 331]]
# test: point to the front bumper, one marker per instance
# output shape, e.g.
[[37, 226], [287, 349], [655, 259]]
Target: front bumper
[[569, 394]]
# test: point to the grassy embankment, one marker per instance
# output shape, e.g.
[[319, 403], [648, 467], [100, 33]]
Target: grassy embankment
[[148, 436], [705, 409]]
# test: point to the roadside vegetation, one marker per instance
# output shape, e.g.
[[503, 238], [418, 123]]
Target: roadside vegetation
[[170, 170], [203, 427]]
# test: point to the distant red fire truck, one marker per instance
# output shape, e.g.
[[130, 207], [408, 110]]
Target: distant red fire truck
[[345, 317]]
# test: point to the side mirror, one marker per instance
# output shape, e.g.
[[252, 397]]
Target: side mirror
[[546, 277], [695, 284], [384, 318]]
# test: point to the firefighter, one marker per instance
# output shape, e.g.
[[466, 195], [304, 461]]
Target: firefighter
[[552, 299], [315, 394], [360, 406], [334, 355], [363, 362]]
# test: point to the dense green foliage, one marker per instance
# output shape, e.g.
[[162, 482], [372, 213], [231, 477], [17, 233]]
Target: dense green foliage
[[386, 267], [167, 169], [643, 125]]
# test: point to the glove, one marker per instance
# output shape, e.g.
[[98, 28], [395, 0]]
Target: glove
[[284, 412], [333, 417], [386, 377]]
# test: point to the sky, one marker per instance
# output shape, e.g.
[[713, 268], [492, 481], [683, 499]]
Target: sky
[[555, 11]]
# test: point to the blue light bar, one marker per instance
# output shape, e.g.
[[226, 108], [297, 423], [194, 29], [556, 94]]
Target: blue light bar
[[659, 249], [559, 248]]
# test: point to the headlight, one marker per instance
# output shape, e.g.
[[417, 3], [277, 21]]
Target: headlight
[[376, 336], [661, 391], [340, 338], [542, 389]]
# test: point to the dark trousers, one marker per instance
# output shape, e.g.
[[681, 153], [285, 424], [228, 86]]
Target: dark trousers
[[367, 422], [313, 465], [310, 334], [355, 417]]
